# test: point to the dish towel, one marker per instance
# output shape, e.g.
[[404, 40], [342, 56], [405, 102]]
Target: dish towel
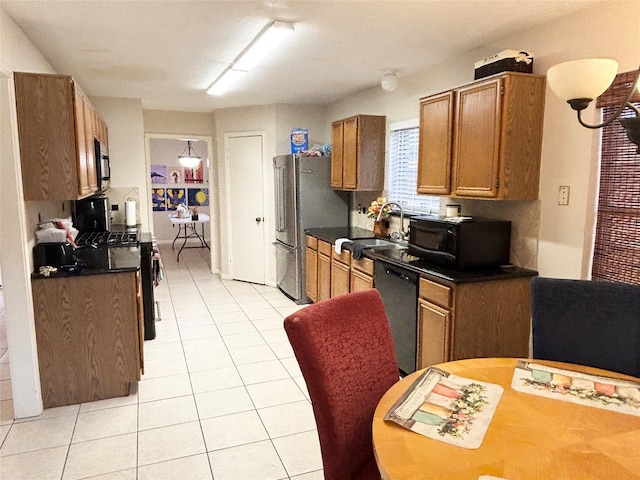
[[338, 244], [356, 251]]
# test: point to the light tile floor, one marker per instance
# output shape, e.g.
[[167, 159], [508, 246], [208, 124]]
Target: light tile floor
[[222, 397]]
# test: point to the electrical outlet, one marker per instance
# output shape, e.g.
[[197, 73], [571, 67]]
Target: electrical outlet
[[563, 195]]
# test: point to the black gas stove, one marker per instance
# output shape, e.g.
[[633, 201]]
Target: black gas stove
[[112, 239]]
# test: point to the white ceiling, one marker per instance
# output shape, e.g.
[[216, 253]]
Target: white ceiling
[[168, 53]]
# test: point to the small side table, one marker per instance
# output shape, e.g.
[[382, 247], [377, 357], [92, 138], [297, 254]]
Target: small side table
[[187, 228]]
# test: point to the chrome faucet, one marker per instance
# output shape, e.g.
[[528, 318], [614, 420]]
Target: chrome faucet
[[402, 235]]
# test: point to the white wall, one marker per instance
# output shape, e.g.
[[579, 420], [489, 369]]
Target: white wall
[[311, 117], [125, 122], [569, 151], [17, 53]]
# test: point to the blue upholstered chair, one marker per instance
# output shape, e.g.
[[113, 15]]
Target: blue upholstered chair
[[587, 322]]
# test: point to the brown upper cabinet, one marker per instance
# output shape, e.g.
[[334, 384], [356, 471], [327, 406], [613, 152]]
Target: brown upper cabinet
[[357, 157], [56, 131], [101, 132], [483, 140]]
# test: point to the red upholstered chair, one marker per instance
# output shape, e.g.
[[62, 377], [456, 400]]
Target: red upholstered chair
[[345, 350]]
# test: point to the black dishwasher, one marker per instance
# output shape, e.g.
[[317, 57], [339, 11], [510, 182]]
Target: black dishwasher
[[399, 290]]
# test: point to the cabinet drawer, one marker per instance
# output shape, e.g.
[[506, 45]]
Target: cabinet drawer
[[324, 248], [312, 242], [364, 265], [435, 293], [343, 257]]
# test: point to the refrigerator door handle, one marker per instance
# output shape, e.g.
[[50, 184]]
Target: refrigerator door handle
[[281, 203], [279, 246]]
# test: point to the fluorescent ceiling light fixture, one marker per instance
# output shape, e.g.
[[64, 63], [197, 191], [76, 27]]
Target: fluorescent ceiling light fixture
[[224, 81], [267, 40]]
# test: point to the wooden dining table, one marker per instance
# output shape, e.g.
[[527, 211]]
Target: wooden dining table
[[529, 437]]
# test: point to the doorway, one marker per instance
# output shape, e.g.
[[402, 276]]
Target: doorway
[[172, 184], [246, 213]]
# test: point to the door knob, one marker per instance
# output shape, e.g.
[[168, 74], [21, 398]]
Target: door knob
[[258, 219]]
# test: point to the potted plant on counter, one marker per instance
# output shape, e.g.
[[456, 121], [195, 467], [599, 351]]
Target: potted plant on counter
[[379, 227]]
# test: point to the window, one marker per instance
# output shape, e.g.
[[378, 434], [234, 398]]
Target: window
[[616, 255], [403, 170]]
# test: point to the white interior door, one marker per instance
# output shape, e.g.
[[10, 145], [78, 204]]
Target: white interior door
[[246, 202]]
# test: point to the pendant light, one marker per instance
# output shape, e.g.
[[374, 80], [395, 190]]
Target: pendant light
[[191, 158]]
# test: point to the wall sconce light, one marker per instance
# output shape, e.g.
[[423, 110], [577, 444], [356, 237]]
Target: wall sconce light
[[265, 42], [191, 159], [389, 82], [579, 82]]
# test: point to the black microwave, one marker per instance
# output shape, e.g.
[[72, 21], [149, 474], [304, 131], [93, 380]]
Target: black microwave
[[461, 245], [103, 168]]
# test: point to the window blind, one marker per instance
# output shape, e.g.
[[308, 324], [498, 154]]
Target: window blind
[[616, 254], [403, 175]]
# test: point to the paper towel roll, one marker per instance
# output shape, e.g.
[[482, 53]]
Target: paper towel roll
[[130, 213]]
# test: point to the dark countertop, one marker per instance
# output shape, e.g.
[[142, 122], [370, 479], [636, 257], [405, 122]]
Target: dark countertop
[[100, 260], [331, 234], [401, 258]]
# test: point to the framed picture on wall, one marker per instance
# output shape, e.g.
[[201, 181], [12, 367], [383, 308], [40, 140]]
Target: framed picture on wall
[[158, 199], [194, 175], [175, 196], [158, 174], [175, 176], [198, 197]]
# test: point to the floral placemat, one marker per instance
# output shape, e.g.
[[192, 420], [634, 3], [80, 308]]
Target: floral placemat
[[448, 408], [592, 390]]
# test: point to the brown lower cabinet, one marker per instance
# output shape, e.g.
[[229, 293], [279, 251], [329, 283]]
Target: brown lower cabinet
[[340, 272], [311, 268], [469, 320], [324, 270], [329, 274], [89, 333], [361, 274]]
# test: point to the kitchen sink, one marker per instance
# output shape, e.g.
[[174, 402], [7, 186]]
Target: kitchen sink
[[379, 243]]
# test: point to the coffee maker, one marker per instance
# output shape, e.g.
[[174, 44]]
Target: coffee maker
[[92, 214]]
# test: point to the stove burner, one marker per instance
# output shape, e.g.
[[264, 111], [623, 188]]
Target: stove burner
[[112, 239]]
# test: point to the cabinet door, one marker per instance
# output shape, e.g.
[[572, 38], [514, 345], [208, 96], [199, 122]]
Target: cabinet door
[[87, 333], [360, 281], [477, 139], [337, 130], [350, 154], [84, 187], [433, 334], [324, 277], [339, 278], [435, 144], [46, 130], [311, 274], [140, 323], [89, 129]]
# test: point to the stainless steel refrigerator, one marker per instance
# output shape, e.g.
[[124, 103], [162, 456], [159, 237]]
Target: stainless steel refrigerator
[[304, 199]]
